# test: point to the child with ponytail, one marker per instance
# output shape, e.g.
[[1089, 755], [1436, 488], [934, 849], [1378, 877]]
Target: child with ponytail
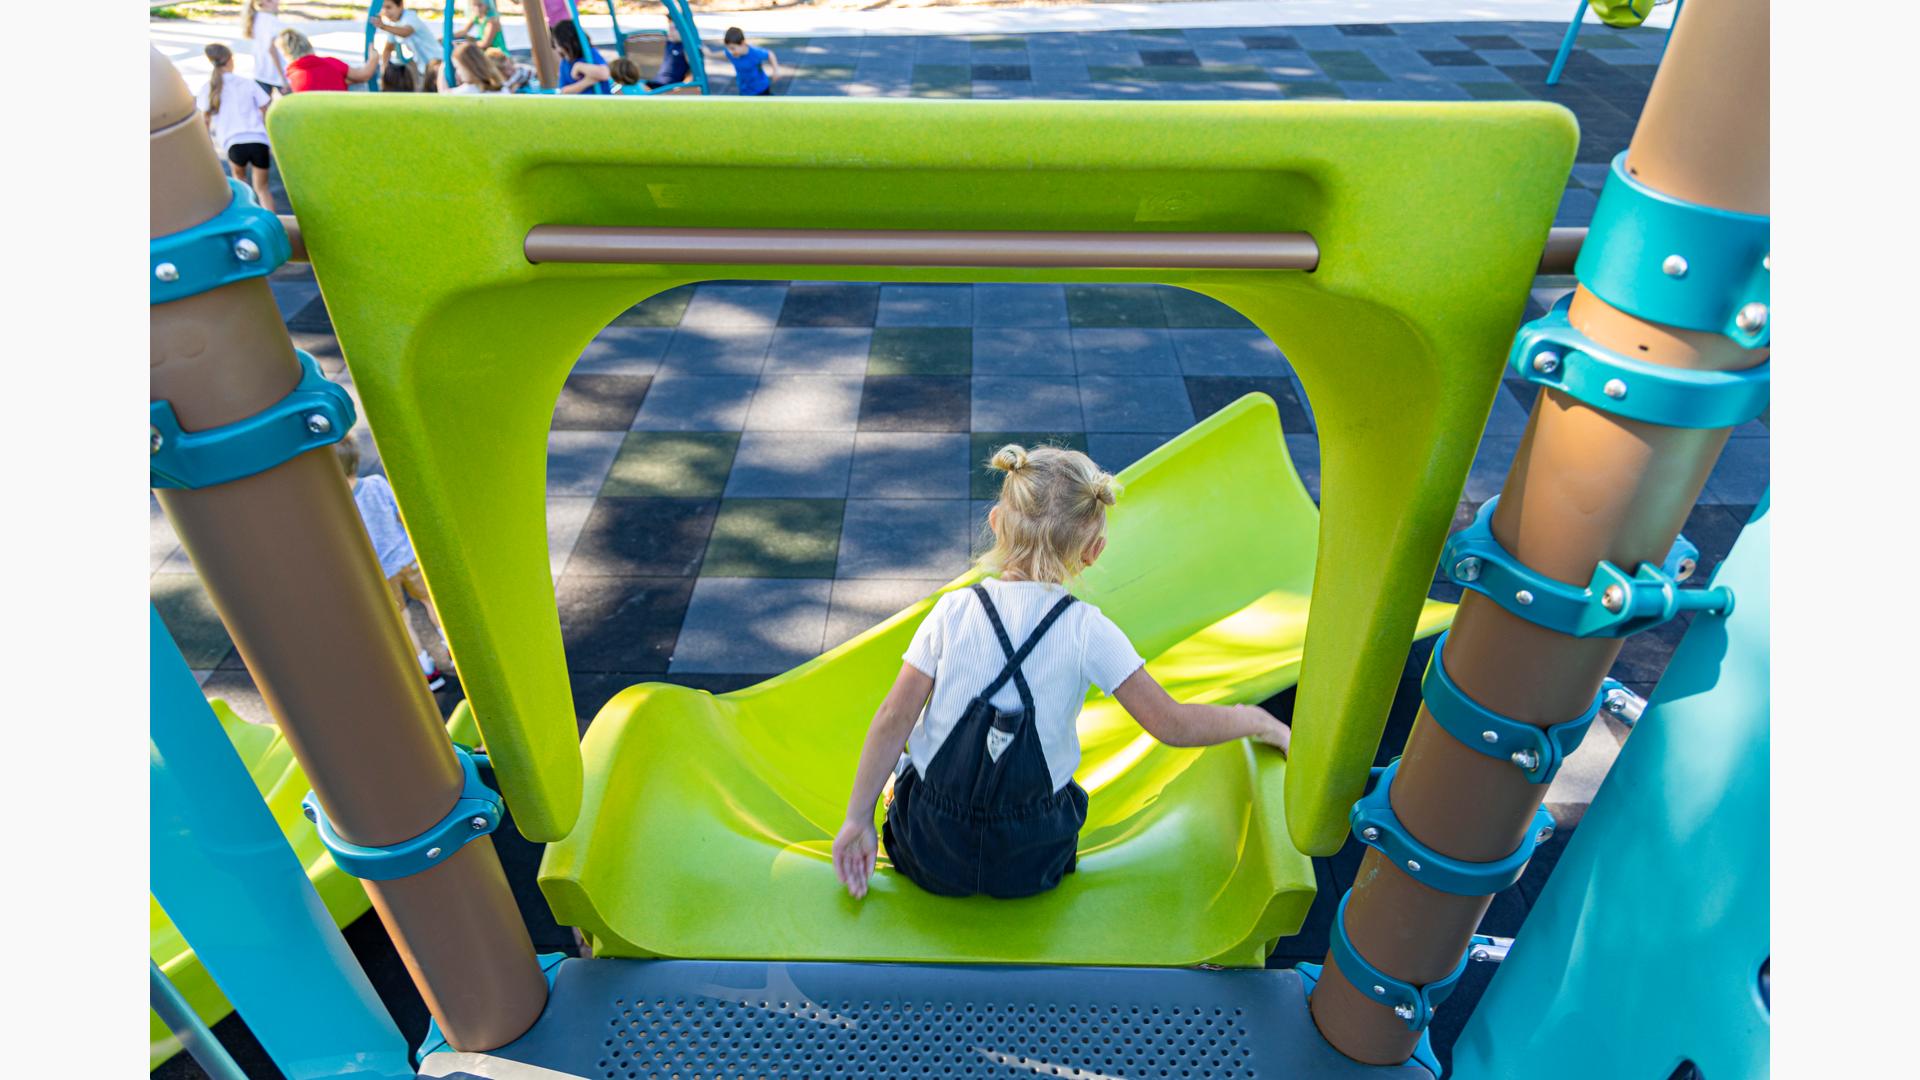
[[235, 113], [987, 700]]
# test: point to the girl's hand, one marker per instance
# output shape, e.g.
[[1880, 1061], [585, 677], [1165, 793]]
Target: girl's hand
[[854, 851], [1271, 731]]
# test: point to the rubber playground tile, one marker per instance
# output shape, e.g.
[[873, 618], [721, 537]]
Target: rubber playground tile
[[1134, 404], [859, 604], [835, 350], [921, 350], [324, 348], [697, 403], [925, 305], [1495, 91], [162, 544], [1026, 404], [942, 75], [1489, 470], [600, 402], [1019, 351], [1169, 57], [734, 306], [909, 465], [983, 481], [1487, 41], [237, 688], [1365, 29], [1270, 41], [1123, 351], [643, 538], [624, 350], [577, 461], [663, 309], [806, 403], [792, 464], [1453, 58], [774, 538], [1114, 306], [904, 538], [1227, 352], [672, 464], [915, 403], [1210, 394], [830, 305], [620, 624], [1506, 416], [566, 516], [1020, 306], [1304, 450], [1185, 309], [752, 626], [188, 613], [1003, 72], [312, 318], [1742, 475], [1114, 451], [964, 91], [1211, 73], [1348, 65], [1313, 91], [717, 351]]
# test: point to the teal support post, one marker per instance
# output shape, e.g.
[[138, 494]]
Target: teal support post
[[1647, 945], [226, 877], [194, 1035], [1566, 45]]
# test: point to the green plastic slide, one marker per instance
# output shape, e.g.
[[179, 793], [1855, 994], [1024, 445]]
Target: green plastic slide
[[1209, 566], [270, 762], [683, 817]]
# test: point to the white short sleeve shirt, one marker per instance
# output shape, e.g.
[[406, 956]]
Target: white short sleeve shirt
[[956, 646]]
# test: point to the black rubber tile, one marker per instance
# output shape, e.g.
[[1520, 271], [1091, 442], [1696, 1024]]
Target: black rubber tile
[[830, 305], [621, 624], [600, 402], [916, 403], [1211, 393], [643, 538]]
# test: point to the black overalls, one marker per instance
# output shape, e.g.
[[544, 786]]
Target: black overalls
[[985, 818]]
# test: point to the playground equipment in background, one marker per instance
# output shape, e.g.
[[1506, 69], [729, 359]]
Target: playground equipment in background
[[648, 48], [1623, 14], [1395, 334], [270, 764]]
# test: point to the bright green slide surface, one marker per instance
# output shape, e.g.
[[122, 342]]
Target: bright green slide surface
[[683, 815], [282, 785], [699, 806]]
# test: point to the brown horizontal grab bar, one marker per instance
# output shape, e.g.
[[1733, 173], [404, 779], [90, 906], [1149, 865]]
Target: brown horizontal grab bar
[[554, 243], [928, 247]]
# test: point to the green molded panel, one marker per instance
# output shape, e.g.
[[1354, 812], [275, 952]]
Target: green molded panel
[[1430, 219]]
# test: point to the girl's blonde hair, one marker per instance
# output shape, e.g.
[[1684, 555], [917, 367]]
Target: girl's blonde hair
[[475, 68], [246, 17], [1053, 506], [217, 55], [294, 43]]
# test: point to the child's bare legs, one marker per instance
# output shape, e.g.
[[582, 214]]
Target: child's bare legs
[[257, 177], [411, 582]]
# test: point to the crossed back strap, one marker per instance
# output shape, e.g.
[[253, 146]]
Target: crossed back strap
[[1016, 658]]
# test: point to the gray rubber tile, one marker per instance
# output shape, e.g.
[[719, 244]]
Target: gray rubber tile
[[752, 625], [806, 403], [1022, 351], [1124, 351], [903, 538], [696, 403], [577, 461], [836, 350], [909, 465], [1027, 404], [1135, 404], [1227, 352], [791, 464]]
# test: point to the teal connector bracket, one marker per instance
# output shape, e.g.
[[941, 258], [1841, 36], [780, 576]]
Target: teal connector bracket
[[1414, 1005], [317, 412], [1549, 352], [1538, 752], [1423, 1054], [1614, 603], [475, 814], [240, 242], [1679, 263], [1375, 825], [434, 1041]]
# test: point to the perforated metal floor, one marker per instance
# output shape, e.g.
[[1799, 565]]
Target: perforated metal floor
[[693, 1020]]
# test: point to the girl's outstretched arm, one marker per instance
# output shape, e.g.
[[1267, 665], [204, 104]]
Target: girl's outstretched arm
[[1186, 724], [856, 847]]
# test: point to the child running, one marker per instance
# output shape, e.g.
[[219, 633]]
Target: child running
[[984, 799], [380, 514], [235, 112], [260, 22], [754, 68]]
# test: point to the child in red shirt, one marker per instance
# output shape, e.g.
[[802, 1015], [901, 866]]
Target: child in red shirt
[[305, 71]]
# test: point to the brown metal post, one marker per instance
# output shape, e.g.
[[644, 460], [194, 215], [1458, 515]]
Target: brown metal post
[[289, 567], [540, 41], [1584, 486]]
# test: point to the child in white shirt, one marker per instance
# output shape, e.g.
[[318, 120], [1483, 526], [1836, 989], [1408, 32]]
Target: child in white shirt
[[235, 111]]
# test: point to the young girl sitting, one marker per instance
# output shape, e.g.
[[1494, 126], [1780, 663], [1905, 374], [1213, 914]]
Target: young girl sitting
[[984, 799]]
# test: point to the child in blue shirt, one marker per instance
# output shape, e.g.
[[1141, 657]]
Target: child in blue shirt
[[750, 78]]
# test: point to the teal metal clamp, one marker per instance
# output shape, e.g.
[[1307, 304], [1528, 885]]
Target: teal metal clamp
[[1377, 826], [1549, 352], [475, 814], [434, 1041], [1679, 263], [1613, 603], [240, 242], [317, 412], [1414, 1005], [1538, 752], [1423, 1054]]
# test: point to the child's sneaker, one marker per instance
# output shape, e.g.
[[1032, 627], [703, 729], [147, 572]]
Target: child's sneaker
[[435, 680], [431, 670]]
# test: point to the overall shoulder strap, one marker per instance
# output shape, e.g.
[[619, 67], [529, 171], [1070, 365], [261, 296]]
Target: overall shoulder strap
[[1017, 657]]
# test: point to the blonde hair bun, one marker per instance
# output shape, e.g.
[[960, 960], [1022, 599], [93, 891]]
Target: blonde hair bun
[[1009, 458]]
